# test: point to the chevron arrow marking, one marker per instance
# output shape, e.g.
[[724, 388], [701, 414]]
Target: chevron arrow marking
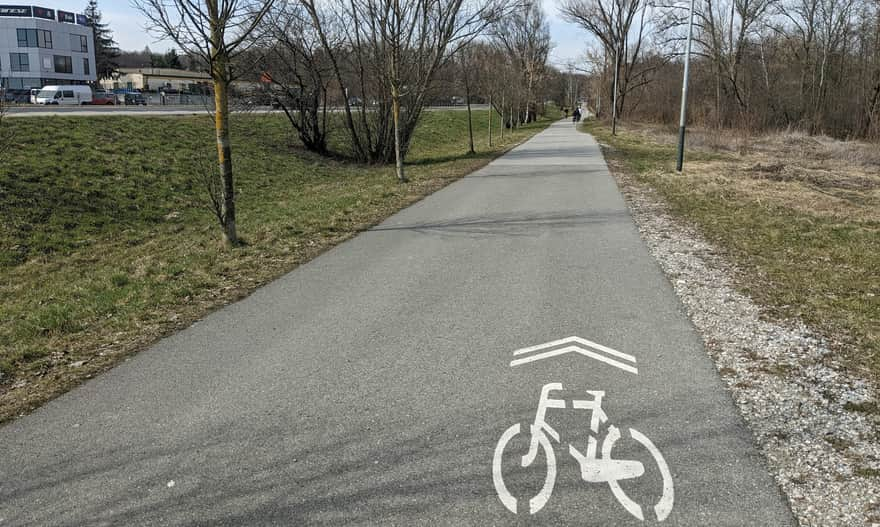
[[580, 346]]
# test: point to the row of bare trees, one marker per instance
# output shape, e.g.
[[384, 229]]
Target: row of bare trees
[[380, 60], [809, 64], [368, 67]]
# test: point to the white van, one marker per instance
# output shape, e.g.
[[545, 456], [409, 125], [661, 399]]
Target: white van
[[34, 92], [64, 95]]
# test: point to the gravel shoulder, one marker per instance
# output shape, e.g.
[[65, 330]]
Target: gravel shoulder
[[815, 420]]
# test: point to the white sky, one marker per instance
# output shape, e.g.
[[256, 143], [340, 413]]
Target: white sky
[[570, 41], [128, 27]]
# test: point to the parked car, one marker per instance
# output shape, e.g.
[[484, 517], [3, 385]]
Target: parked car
[[135, 99], [66, 95], [102, 97], [33, 97]]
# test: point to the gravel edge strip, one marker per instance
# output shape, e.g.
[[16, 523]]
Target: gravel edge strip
[[815, 422]]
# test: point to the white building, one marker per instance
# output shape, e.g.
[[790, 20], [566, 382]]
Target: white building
[[41, 46], [156, 79]]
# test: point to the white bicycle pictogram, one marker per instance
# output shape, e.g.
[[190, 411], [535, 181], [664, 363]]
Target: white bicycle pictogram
[[597, 466]]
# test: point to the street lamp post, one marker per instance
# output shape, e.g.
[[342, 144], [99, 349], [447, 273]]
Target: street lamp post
[[684, 92], [614, 95]]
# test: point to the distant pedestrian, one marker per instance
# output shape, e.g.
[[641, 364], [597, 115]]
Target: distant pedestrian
[[576, 115]]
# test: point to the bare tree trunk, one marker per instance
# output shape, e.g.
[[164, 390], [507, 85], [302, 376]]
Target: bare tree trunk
[[394, 65], [395, 110], [224, 148], [214, 32]]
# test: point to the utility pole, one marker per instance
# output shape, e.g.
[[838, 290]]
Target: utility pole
[[684, 92]]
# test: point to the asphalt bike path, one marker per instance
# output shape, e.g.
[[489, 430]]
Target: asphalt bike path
[[505, 351]]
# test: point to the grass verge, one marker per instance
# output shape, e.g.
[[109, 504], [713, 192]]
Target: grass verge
[[106, 243], [798, 215]]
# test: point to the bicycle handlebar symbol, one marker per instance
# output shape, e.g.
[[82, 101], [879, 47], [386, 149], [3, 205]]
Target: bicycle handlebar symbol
[[597, 465]]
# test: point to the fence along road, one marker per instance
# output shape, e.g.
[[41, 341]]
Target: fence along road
[[155, 109], [407, 376]]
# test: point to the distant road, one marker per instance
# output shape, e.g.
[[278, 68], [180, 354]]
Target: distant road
[[154, 110]]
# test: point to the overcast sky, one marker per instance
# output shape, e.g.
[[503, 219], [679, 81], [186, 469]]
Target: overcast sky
[[128, 28]]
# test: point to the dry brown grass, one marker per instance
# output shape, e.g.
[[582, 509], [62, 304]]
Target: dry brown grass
[[799, 214], [812, 174]]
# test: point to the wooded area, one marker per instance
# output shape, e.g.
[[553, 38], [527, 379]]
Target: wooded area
[[812, 65]]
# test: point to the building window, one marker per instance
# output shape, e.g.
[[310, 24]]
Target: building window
[[63, 64], [19, 62], [79, 43], [34, 38], [44, 39], [86, 67], [27, 38]]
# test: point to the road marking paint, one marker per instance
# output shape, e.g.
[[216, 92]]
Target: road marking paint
[[579, 340], [580, 346], [579, 350], [595, 466]]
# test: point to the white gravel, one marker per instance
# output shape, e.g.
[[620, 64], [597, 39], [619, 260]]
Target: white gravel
[[797, 399]]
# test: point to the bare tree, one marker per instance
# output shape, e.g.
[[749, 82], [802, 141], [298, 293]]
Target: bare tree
[[468, 73], [816, 31], [216, 31], [525, 34], [811, 64], [386, 54], [298, 73], [494, 73], [725, 32], [620, 26]]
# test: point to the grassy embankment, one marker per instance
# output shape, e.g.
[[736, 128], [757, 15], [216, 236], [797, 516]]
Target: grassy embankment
[[106, 243], [799, 215]]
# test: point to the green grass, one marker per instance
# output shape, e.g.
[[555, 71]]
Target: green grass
[[819, 267], [106, 243]]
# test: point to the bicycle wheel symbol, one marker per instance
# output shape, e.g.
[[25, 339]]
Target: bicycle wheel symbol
[[664, 505], [537, 502]]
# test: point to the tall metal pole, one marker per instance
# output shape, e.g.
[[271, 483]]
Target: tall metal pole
[[570, 96], [502, 117], [684, 92], [491, 111], [614, 95]]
